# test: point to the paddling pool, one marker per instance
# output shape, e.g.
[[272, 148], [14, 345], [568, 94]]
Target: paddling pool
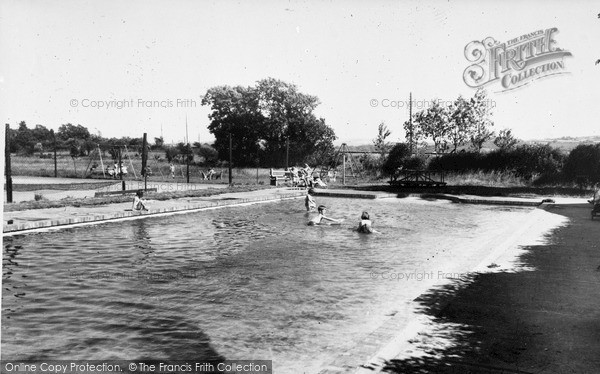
[[251, 282]]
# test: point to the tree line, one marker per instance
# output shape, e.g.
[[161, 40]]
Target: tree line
[[40, 139], [539, 164], [448, 127], [271, 123]]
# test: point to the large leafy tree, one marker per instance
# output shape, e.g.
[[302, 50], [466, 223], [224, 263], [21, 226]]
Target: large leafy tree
[[433, 123], [24, 140], [263, 119], [69, 131]]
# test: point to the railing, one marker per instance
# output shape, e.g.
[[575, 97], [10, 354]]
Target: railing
[[413, 178]]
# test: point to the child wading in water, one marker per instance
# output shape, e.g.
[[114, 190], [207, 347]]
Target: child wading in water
[[309, 201], [365, 225], [138, 202], [319, 219]]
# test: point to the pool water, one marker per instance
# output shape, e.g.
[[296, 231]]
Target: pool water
[[252, 282]]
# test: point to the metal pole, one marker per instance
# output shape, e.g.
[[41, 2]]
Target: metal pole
[[144, 160], [121, 171], [344, 167], [54, 145], [7, 170], [187, 172], [230, 158], [410, 123], [287, 152], [256, 165]]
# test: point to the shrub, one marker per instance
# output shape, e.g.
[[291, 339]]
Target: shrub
[[525, 161], [397, 158], [583, 161]]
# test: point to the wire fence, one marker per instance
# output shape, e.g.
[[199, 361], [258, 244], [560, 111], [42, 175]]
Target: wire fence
[[101, 165]]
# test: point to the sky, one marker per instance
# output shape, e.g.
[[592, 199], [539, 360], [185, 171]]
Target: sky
[[148, 63]]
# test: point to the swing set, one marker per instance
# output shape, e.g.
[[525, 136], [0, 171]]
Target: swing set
[[109, 171]]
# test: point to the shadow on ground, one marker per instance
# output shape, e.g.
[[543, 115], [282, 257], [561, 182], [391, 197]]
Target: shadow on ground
[[544, 320]]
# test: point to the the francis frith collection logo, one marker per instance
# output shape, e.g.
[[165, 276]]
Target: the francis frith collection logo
[[516, 62]]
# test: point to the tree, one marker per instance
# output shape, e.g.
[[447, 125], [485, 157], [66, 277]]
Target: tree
[[480, 113], [418, 137], [505, 140], [583, 160], [185, 150], [158, 143], [170, 153], [24, 140], [274, 111], [433, 123], [381, 145], [234, 111], [42, 135], [398, 156], [460, 122], [69, 131], [207, 153]]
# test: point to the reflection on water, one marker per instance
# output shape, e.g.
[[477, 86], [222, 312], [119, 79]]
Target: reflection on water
[[249, 282]]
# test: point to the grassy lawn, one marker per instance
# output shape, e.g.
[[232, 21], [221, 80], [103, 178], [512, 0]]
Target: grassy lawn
[[79, 168]]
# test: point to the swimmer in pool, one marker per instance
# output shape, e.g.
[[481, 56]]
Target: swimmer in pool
[[365, 225], [318, 220]]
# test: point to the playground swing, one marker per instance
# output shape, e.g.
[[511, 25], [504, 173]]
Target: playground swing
[[130, 163], [97, 154], [92, 170], [344, 157], [162, 175]]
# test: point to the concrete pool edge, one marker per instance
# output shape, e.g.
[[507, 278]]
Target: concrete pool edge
[[120, 213]]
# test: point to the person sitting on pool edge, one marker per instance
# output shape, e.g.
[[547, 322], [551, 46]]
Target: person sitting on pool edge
[[365, 225], [309, 201], [138, 202], [318, 219]]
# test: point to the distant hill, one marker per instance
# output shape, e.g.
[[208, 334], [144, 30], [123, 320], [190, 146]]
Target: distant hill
[[565, 143]]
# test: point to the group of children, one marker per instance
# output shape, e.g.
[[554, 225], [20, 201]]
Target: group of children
[[365, 225], [304, 177]]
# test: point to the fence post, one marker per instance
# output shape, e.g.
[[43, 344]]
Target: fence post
[[7, 171], [121, 170], [230, 158], [145, 160], [54, 146]]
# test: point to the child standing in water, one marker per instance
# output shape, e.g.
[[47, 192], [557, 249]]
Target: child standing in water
[[365, 225], [319, 219], [309, 201]]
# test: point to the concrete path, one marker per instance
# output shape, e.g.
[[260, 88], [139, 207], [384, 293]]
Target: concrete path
[[35, 219]]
